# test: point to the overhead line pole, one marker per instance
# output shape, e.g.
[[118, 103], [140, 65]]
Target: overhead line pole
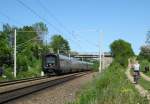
[[103, 61], [100, 54], [15, 54]]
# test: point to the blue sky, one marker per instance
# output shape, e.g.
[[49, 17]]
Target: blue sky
[[125, 19]]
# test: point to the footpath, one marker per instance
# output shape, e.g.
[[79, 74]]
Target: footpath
[[139, 88]]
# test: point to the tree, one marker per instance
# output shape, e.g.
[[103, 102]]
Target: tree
[[27, 47], [5, 45], [41, 29], [121, 51], [25, 38], [58, 43], [148, 38], [145, 49], [145, 52], [5, 51]]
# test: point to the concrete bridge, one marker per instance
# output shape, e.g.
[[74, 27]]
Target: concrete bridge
[[106, 57]]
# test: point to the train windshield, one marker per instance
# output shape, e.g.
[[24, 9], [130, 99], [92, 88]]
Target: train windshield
[[50, 60]]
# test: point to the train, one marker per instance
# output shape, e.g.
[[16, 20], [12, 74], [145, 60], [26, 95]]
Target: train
[[61, 64]]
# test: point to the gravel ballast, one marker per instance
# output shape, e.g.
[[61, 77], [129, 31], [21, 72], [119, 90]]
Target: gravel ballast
[[59, 94]]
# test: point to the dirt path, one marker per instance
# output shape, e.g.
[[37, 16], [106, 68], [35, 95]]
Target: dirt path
[[140, 89], [145, 76]]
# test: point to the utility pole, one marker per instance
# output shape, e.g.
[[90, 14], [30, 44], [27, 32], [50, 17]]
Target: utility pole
[[100, 53], [58, 51], [103, 61], [100, 59], [69, 57], [15, 53]]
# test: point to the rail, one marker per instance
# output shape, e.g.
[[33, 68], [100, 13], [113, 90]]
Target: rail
[[25, 90]]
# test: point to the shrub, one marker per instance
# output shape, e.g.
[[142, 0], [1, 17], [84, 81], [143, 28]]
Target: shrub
[[110, 87], [121, 51], [144, 63]]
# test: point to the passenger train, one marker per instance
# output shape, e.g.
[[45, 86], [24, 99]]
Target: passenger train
[[60, 64]]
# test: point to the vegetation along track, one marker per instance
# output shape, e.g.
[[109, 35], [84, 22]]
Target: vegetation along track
[[9, 95]]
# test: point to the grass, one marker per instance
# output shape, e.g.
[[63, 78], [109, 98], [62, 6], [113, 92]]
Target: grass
[[148, 73], [110, 87], [144, 83]]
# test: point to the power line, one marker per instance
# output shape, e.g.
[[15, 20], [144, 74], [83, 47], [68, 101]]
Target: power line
[[30, 39], [87, 41], [27, 41], [36, 14], [54, 17], [58, 22], [30, 31]]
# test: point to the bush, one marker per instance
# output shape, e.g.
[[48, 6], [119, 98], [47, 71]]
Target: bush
[[121, 51], [144, 63], [95, 65], [33, 71], [8, 72], [111, 87], [22, 63]]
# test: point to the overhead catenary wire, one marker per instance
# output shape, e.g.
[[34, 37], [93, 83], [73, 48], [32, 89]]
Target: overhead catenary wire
[[37, 15], [29, 39], [64, 27], [87, 41], [44, 7], [60, 24]]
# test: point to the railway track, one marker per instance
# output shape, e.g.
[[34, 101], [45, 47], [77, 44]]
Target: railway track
[[7, 94], [6, 83]]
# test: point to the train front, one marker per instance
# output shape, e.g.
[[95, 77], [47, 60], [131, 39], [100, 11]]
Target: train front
[[49, 64]]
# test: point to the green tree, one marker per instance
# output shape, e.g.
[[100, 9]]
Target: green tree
[[145, 53], [121, 51], [41, 30], [5, 45], [5, 51], [58, 43], [145, 49], [148, 38], [27, 47]]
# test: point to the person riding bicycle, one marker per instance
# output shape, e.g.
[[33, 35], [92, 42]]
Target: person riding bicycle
[[136, 67]]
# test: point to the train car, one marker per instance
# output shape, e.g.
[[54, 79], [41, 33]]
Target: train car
[[60, 64]]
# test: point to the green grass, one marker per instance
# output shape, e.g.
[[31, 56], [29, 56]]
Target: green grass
[[145, 84], [110, 87], [148, 73]]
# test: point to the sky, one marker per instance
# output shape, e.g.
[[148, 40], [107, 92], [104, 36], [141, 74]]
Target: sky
[[84, 23]]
